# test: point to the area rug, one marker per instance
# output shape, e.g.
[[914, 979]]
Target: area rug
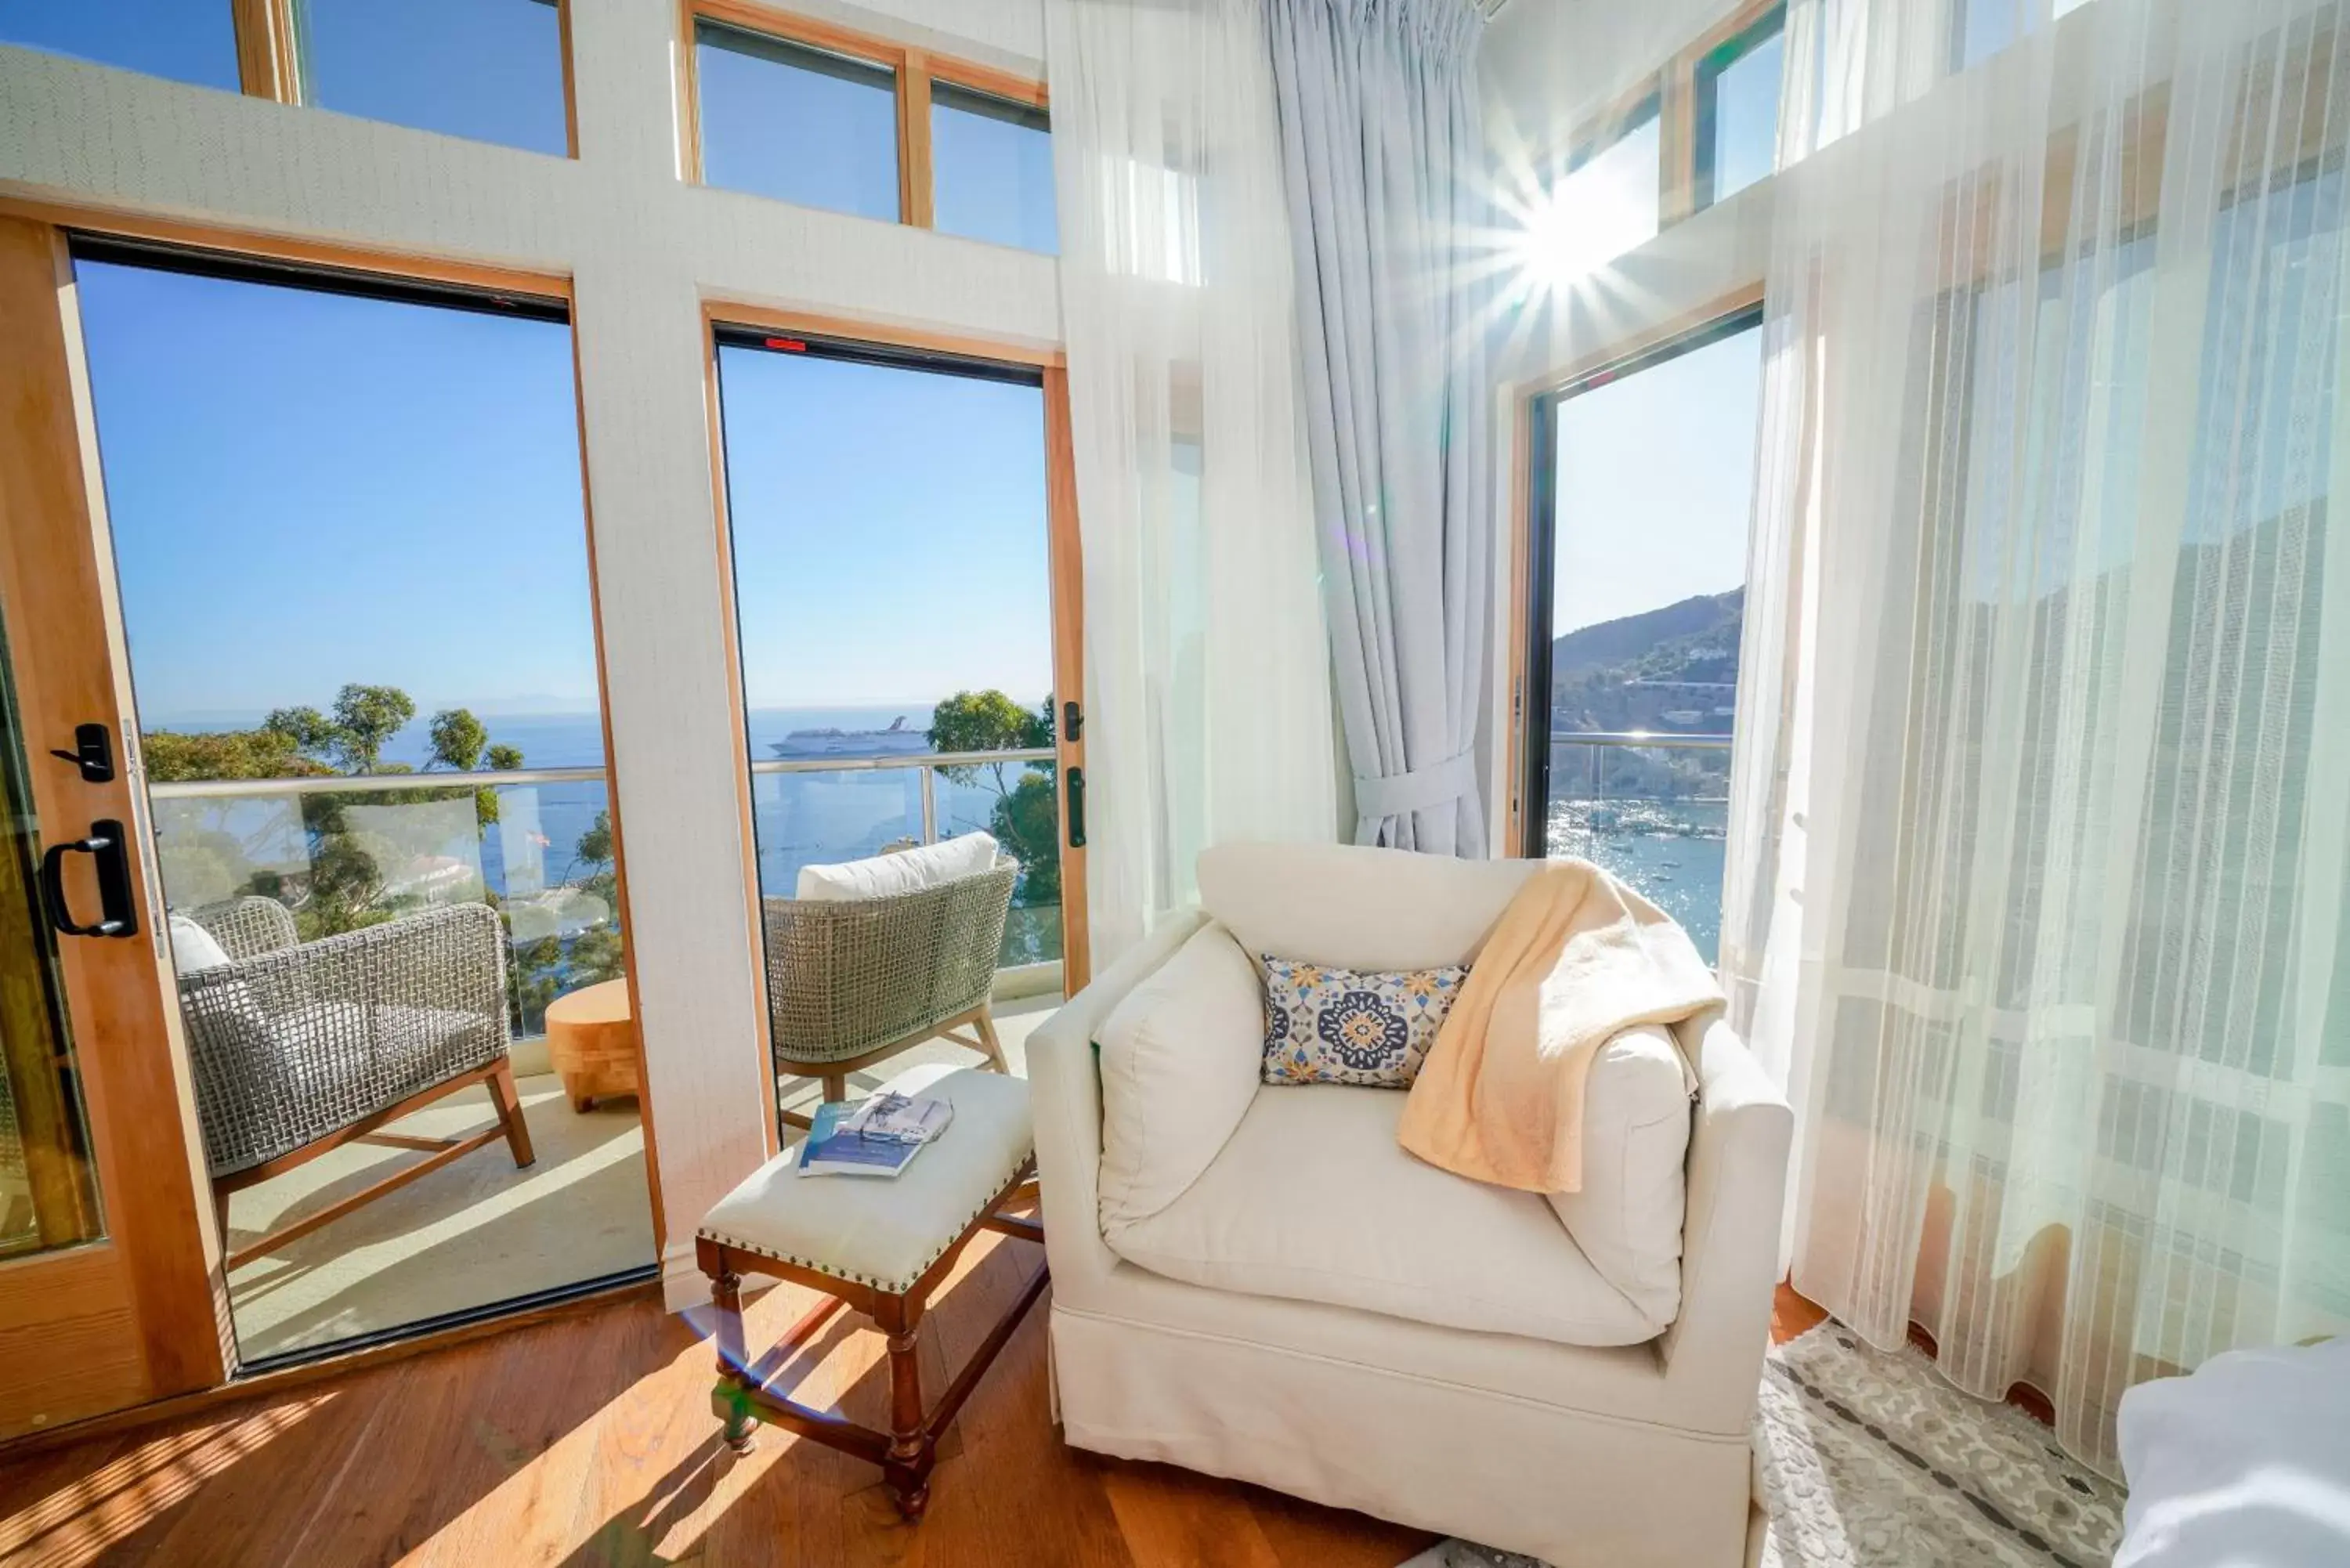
[[1869, 1459]]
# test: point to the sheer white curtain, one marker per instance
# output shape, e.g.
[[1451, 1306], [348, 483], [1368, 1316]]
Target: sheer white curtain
[[1207, 664], [2042, 815]]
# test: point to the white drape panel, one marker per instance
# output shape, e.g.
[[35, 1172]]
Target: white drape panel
[[1383, 155], [2040, 821], [1207, 664]]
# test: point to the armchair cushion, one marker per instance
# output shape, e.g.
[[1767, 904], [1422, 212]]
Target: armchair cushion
[[908, 871], [194, 948], [1178, 1067], [1313, 1200], [1636, 1132]]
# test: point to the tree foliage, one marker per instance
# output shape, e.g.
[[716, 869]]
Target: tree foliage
[[989, 721], [226, 755], [1026, 816]]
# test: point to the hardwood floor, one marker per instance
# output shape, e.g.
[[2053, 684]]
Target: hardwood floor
[[588, 1442]]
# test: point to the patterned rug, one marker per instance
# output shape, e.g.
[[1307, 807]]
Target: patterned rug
[[1864, 1459]]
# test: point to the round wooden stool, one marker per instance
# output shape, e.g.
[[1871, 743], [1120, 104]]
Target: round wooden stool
[[591, 1037]]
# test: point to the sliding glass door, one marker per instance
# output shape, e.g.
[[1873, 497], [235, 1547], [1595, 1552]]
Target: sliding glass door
[[350, 546], [104, 1296], [895, 585]]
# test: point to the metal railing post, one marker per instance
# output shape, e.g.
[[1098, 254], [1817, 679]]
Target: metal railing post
[[930, 804]]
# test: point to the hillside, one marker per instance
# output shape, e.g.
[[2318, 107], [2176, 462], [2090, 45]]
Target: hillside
[[1625, 641], [1668, 671]]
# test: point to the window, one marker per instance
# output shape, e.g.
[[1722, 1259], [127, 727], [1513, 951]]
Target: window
[[891, 615], [992, 163], [1644, 489], [814, 114], [491, 70], [186, 40], [798, 124], [1607, 202], [351, 550], [1738, 109]]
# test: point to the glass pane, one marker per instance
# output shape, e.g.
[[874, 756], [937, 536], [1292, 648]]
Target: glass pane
[[890, 611], [1606, 206], [992, 161], [1987, 26], [1746, 117], [48, 1193], [319, 661], [797, 124], [488, 69], [1654, 487], [186, 40]]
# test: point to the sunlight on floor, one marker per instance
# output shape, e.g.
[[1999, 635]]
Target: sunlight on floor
[[474, 1232]]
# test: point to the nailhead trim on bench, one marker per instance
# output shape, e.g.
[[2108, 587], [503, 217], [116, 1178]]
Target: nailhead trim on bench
[[892, 1287]]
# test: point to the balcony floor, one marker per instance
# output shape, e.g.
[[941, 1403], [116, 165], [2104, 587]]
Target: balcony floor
[[474, 1232]]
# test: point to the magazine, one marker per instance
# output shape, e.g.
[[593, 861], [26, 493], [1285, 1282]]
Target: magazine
[[837, 1148], [901, 1118]]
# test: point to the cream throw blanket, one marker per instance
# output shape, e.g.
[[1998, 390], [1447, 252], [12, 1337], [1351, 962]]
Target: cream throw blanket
[[1576, 958]]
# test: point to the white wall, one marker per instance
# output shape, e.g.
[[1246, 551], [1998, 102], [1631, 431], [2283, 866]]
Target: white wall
[[644, 251]]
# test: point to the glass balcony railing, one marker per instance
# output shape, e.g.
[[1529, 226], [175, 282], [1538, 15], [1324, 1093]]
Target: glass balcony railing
[[818, 810], [1652, 808], [343, 852]]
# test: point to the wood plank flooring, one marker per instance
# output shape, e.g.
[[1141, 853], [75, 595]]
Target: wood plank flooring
[[587, 1442]]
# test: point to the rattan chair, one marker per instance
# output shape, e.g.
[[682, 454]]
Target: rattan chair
[[851, 982], [300, 1047]]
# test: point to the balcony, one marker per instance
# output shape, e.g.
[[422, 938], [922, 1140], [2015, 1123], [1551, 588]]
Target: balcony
[[344, 854], [1652, 808]]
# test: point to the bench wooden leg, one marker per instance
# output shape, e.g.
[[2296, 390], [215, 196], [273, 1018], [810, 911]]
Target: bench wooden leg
[[907, 1471], [733, 1397]]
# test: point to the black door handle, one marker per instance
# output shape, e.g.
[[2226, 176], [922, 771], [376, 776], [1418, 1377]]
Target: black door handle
[[93, 753], [1073, 782], [108, 851]]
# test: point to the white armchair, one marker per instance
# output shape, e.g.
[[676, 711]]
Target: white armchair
[[1578, 1432]]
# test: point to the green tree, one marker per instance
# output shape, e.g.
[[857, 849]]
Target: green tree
[[458, 738], [366, 718], [989, 721], [1025, 818], [226, 755]]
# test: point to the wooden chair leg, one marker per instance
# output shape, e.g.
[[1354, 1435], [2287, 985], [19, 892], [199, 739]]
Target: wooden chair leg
[[985, 1023], [509, 1108], [836, 1087]]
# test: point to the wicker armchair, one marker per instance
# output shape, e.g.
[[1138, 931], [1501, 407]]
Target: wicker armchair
[[851, 982], [299, 1047]]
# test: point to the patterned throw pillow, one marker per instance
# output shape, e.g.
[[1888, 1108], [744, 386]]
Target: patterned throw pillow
[[1329, 1025]]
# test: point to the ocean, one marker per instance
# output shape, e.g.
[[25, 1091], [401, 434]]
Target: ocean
[[799, 818]]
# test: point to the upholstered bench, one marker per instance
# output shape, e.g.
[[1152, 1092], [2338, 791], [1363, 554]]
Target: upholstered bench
[[880, 1245]]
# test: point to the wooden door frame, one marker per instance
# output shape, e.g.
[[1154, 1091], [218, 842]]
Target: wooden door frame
[[141, 1313], [75, 466], [1065, 562]]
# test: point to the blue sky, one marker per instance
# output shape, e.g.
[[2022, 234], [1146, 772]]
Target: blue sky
[[307, 489], [1656, 484], [889, 532]]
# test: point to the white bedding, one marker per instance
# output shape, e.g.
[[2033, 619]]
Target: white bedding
[[2246, 1463]]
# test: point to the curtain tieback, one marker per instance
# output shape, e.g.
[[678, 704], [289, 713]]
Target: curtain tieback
[[1416, 789]]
